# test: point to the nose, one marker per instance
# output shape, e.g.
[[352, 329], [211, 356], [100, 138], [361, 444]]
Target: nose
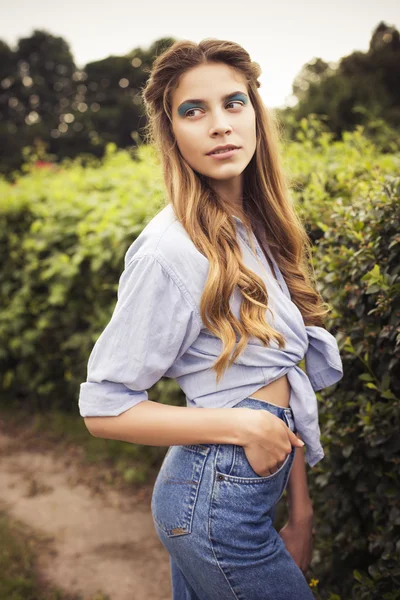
[[220, 129], [220, 124]]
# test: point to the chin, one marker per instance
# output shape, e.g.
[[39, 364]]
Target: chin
[[227, 173]]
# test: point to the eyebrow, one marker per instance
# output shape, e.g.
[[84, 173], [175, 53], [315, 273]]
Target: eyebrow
[[201, 101]]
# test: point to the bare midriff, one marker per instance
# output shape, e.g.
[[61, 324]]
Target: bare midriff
[[277, 392]]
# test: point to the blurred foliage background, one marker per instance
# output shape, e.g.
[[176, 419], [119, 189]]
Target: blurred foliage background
[[78, 185], [47, 104]]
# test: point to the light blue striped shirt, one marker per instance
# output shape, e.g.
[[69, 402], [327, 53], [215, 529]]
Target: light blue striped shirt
[[156, 330]]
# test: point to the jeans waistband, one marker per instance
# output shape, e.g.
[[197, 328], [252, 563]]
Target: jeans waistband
[[288, 410], [279, 411]]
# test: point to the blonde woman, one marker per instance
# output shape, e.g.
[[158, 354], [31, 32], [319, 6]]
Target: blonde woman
[[217, 292]]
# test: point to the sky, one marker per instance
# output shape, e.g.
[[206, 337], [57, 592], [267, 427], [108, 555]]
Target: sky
[[281, 35]]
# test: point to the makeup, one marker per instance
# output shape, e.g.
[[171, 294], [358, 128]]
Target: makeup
[[199, 103]]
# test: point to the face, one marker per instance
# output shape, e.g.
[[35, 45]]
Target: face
[[211, 107]]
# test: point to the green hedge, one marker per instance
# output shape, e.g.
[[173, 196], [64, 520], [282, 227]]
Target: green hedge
[[356, 487], [63, 235]]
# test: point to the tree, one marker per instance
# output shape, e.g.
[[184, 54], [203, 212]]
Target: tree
[[363, 88]]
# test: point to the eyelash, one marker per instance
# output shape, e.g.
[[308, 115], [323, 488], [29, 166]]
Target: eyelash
[[231, 102]]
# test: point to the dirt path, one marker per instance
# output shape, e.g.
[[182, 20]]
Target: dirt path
[[100, 540]]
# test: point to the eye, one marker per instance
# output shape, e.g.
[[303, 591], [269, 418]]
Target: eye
[[190, 110], [232, 102], [236, 102]]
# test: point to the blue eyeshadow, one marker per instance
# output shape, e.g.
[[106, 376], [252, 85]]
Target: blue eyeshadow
[[187, 105]]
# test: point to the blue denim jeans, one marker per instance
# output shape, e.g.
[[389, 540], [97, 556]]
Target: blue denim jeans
[[214, 515]]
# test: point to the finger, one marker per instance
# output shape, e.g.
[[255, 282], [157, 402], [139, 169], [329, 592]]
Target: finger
[[295, 441], [277, 469]]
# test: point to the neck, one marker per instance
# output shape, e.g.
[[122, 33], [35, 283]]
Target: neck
[[231, 193]]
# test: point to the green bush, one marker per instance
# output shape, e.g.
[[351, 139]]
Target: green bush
[[356, 486], [63, 235]]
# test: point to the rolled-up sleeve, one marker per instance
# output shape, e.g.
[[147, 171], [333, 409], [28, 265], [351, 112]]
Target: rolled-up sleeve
[[323, 363], [153, 323]]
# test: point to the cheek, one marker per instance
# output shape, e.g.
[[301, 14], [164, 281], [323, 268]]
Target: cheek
[[188, 143], [246, 127], [251, 124], [251, 135]]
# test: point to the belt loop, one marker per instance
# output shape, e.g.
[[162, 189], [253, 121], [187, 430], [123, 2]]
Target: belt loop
[[289, 419]]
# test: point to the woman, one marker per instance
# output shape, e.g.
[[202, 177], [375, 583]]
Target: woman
[[222, 268]]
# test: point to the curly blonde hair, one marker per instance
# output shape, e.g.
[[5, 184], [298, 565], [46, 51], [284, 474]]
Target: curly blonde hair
[[208, 222]]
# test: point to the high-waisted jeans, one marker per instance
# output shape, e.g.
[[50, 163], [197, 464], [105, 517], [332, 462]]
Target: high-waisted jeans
[[214, 515]]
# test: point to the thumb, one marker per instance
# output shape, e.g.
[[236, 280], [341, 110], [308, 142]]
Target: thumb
[[295, 441]]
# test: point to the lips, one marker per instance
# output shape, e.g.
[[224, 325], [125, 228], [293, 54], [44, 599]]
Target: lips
[[226, 148]]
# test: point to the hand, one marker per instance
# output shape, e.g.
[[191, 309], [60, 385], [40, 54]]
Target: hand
[[268, 442], [298, 541]]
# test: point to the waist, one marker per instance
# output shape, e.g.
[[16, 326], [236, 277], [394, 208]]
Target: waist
[[277, 392]]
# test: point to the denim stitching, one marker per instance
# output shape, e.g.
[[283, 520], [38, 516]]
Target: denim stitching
[[200, 466], [256, 479], [209, 522], [194, 491], [293, 453], [233, 459]]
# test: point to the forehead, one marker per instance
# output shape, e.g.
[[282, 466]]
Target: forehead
[[208, 81]]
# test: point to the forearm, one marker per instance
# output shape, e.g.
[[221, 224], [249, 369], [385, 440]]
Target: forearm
[[154, 424], [299, 501]]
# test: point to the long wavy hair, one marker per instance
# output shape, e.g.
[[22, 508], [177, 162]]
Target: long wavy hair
[[207, 220]]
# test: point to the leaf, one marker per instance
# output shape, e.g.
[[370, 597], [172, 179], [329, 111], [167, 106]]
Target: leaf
[[373, 289], [347, 451], [357, 575], [389, 395], [366, 377], [385, 382]]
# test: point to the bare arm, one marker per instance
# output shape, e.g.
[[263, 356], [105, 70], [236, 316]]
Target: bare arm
[[155, 424], [299, 501]]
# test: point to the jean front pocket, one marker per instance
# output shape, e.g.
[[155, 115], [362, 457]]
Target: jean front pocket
[[233, 464], [242, 468], [176, 488]]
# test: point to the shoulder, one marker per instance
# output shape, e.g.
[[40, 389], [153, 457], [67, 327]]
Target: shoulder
[[166, 241]]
